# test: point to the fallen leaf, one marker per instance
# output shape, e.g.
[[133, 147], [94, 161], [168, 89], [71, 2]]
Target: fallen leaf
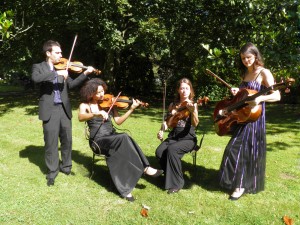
[[287, 220], [144, 212]]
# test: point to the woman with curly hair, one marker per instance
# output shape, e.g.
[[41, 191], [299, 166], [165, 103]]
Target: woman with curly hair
[[125, 160]]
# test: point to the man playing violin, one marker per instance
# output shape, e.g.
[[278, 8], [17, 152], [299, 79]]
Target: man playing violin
[[55, 109]]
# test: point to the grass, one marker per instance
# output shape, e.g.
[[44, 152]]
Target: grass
[[4, 88], [76, 199]]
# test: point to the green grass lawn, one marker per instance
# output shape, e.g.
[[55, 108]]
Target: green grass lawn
[[10, 88], [76, 199]]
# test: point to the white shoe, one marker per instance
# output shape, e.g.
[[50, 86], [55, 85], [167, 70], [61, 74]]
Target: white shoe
[[238, 192]]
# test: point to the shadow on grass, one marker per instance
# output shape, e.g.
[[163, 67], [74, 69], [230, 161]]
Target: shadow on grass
[[203, 177], [35, 155], [199, 175], [101, 173]]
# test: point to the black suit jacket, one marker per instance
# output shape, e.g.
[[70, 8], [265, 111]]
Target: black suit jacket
[[41, 74]]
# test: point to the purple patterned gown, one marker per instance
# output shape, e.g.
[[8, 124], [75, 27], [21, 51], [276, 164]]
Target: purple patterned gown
[[244, 160]]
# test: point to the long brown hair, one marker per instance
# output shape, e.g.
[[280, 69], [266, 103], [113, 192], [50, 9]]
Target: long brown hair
[[252, 49], [188, 82]]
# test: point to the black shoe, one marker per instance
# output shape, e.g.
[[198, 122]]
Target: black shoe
[[173, 191], [65, 172], [50, 182], [157, 174], [130, 199]]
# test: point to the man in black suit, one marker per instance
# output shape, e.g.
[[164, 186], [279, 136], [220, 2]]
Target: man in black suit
[[55, 109]]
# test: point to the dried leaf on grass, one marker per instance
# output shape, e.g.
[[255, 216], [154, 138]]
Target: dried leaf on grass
[[144, 211], [287, 220]]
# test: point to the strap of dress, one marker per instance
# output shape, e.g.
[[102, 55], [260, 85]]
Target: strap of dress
[[259, 73]]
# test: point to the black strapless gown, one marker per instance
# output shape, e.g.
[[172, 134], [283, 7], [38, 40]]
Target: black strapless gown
[[125, 159]]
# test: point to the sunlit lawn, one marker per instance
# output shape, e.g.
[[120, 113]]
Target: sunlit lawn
[[76, 199]]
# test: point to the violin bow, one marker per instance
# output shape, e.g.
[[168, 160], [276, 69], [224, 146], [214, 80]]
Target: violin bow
[[164, 100], [114, 101], [218, 78], [68, 63]]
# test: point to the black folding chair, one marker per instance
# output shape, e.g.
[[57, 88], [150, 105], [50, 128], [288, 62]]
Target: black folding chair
[[94, 147], [194, 152]]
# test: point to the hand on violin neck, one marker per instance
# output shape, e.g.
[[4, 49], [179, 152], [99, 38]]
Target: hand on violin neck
[[89, 70], [135, 103]]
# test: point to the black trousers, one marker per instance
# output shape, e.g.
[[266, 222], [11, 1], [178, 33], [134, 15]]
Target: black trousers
[[169, 154], [58, 128]]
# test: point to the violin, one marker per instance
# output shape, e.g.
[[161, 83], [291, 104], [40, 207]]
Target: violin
[[122, 102], [76, 67], [182, 112], [237, 111]]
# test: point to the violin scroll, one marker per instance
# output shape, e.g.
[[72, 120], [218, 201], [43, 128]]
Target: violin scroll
[[202, 101]]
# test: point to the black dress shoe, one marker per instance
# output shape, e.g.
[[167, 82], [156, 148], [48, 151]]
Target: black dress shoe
[[65, 172], [173, 191], [50, 182]]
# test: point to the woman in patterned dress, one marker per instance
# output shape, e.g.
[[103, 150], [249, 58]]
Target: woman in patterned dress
[[243, 165]]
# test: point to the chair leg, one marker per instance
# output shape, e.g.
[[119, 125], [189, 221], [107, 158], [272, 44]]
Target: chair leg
[[93, 164], [195, 161]]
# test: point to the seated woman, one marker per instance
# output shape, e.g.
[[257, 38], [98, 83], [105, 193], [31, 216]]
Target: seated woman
[[182, 118], [125, 159]]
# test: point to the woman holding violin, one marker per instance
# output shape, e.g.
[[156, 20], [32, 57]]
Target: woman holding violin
[[243, 165], [55, 109], [125, 160], [182, 118]]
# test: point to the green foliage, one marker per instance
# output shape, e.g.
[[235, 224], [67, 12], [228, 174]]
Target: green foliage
[[154, 40], [6, 23]]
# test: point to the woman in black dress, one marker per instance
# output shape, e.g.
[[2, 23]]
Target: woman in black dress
[[182, 118], [125, 159]]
